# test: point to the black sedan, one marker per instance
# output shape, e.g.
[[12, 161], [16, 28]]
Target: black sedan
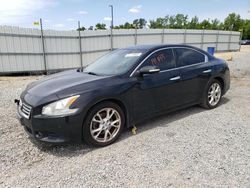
[[119, 90]]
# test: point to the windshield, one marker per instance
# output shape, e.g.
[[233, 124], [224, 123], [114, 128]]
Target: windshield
[[115, 63]]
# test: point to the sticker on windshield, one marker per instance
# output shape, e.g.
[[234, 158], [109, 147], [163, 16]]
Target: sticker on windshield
[[133, 55]]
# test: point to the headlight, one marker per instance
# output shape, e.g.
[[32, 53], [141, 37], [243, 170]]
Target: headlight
[[60, 107]]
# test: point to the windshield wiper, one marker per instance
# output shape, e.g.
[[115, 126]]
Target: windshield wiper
[[91, 73], [82, 70]]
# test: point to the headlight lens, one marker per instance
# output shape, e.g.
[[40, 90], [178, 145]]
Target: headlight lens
[[60, 107]]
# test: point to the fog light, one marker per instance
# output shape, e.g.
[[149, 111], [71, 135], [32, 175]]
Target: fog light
[[39, 135]]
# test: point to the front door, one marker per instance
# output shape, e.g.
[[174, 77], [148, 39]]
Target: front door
[[158, 91]]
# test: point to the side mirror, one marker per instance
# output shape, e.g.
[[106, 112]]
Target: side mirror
[[149, 70]]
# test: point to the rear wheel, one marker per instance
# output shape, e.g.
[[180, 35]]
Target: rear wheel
[[103, 124], [213, 95]]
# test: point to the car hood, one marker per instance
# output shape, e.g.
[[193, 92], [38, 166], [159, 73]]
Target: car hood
[[61, 85]]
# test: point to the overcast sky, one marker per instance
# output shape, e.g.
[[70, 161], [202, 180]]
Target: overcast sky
[[64, 14]]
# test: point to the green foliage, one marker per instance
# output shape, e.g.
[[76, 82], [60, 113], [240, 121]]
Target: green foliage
[[139, 23], [100, 26], [125, 26], [232, 22], [159, 23], [91, 28], [181, 21], [205, 24], [246, 29], [194, 23], [81, 29], [215, 24]]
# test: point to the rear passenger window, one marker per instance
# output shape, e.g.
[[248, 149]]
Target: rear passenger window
[[164, 59], [186, 56]]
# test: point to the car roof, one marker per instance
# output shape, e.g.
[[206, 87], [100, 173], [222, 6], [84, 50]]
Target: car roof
[[156, 46], [152, 47]]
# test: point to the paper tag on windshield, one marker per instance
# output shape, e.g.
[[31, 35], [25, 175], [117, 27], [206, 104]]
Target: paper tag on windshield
[[133, 55]]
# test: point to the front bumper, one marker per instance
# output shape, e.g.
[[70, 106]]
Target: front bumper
[[52, 129]]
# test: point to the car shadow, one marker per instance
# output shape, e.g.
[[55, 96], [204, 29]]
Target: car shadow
[[72, 149]]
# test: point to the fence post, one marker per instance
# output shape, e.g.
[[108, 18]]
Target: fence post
[[43, 47], [111, 39], [202, 39], [80, 43], [241, 31], [229, 42], [185, 36], [217, 40], [135, 36], [162, 36]]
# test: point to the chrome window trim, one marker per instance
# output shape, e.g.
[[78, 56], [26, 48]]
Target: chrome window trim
[[136, 68]]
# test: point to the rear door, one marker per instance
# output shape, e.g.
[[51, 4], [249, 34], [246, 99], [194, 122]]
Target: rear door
[[195, 71]]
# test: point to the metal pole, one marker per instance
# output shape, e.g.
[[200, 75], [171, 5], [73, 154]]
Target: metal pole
[[112, 17], [229, 42], [80, 43], [185, 35], [202, 38], [217, 40], [135, 36], [43, 47], [241, 33], [111, 27], [111, 39], [162, 36]]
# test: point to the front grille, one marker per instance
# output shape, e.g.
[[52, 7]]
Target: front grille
[[25, 109]]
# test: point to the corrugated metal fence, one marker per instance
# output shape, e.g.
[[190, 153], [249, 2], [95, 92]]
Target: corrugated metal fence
[[21, 49]]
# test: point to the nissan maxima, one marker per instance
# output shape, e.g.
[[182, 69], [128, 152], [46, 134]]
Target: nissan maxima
[[122, 88]]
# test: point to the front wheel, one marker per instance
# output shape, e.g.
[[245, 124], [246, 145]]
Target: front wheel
[[103, 124], [213, 95]]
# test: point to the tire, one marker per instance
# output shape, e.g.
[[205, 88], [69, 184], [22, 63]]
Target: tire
[[103, 124], [214, 90]]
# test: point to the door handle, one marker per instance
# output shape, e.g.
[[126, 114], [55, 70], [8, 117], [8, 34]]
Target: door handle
[[175, 78], [207, 71]]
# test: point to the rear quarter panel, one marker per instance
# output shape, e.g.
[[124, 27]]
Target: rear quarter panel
[[221, 70]]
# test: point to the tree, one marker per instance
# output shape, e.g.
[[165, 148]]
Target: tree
[[159, 23], [128, 26], [91, 28], [215, 24], [246, 29], [221, 26], [81, 29], [100, 26], [156, 24], [140, 23], [194, 23], [205, 24], [125, 26], [233, 22], [172, 21], [178, 21], [181, 21]]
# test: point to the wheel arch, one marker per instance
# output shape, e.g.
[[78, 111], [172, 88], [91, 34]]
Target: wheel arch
[[220, 79], [119, 102]]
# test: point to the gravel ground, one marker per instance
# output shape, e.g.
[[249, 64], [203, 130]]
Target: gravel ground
[[188, 148]]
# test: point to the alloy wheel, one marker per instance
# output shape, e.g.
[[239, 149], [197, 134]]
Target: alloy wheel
[[214, 94], [105, 125]]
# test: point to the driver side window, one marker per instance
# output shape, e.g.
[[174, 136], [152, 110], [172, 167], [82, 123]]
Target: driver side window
[[163, 59]]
